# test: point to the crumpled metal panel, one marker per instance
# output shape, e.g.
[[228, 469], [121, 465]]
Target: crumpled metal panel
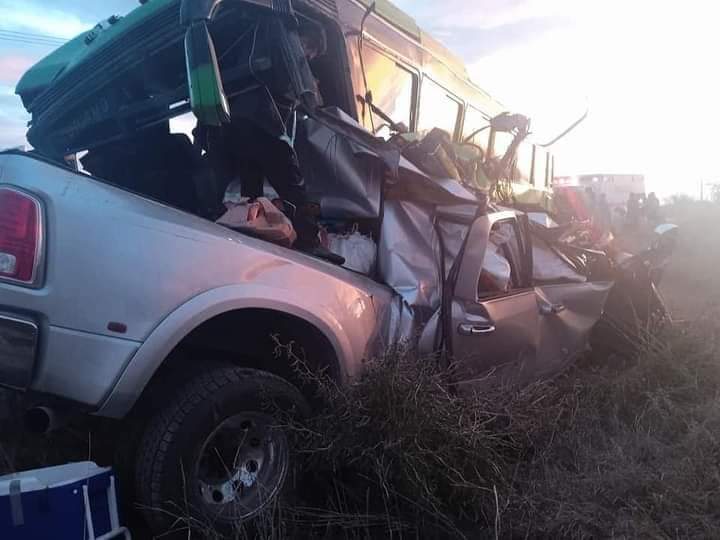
[[346, 171], [402, 327], [413, 184], [428, 340], [453, 236], [409, 259], [408, 254], [344, 177]]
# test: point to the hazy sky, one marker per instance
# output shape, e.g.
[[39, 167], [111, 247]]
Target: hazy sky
[[646, 69]]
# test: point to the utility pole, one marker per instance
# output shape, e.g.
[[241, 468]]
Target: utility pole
[[702, 186]]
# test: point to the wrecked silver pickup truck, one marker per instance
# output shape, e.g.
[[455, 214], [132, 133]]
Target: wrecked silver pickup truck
[[119, 293]]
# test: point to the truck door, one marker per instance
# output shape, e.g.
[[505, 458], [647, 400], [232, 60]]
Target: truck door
[[568, 312], [495, 313]]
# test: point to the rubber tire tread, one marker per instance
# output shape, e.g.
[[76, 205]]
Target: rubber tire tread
[[163, 430]]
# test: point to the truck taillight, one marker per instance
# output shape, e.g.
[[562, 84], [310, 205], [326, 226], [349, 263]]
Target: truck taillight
[[20, 236]]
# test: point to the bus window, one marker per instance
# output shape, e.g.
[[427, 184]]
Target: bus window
[[501, 142], [540, 167], [392, 88], [523, 165], [438, 109], [475, 120]]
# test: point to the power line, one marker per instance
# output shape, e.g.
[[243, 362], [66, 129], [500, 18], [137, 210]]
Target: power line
[[31, 35], [31, 39], [28, 42]]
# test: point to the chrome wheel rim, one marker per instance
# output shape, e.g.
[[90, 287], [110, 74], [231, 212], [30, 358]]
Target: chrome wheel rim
[[242, 466]]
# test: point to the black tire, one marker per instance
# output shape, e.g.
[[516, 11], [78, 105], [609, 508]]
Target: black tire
[[174, 456]]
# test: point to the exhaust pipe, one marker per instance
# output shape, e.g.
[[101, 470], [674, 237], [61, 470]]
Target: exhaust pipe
[[42, 420]]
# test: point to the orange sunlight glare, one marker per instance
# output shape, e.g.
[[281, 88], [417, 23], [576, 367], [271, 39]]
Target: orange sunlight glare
[[644, 69]]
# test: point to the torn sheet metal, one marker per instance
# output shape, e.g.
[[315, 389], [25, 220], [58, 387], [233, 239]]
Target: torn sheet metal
[[425, 223], [344, 165], [453, 233], [429, 340], [345, 168], [408, 256], [413, 184], [543, 219], [548, 266], [344, 177], [424, 220], [568, 329], [403, 328]]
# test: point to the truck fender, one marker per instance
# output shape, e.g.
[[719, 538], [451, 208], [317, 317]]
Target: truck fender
[[190, 315]]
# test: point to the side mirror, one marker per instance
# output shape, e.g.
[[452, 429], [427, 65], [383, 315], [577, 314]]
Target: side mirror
[[572, 126], [207, 95], [509, 123]]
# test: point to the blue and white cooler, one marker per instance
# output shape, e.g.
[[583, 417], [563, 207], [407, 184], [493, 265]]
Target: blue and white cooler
[[77, 501]]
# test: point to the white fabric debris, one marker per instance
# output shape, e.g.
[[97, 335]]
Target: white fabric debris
[[359, 250]]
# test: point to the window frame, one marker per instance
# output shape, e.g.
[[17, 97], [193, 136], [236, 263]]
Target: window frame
[[451, 95], [343, 56], [399, 63], [487, 118], [523, 274]]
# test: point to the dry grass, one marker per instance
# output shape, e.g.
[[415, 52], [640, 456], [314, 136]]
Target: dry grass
[[399, 452], [610, 449], [631, 452]]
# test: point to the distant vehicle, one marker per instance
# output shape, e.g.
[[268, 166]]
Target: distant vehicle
[[616, 187], [572, 200]]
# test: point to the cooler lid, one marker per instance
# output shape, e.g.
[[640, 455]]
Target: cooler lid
[[51, 477]]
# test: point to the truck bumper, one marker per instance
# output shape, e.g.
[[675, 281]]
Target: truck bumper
[[79, 367], [18, 351]]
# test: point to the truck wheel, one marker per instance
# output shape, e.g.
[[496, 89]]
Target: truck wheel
[[215, 456]]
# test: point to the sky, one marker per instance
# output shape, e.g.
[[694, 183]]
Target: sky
[[644, 68]]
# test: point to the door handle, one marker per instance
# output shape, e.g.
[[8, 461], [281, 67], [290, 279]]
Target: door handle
[[475, 329], [552, 309]]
